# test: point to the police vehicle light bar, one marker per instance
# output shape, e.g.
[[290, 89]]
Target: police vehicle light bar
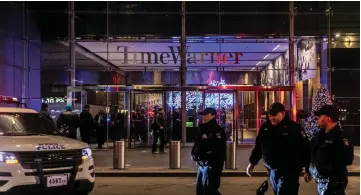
[[8, 99], [11, 100]]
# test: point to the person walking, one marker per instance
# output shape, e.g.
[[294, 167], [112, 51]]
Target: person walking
[[285, 150], [209, 152], [158, 130], [86, 124], [68, 122], [101, 128], [331, 153]]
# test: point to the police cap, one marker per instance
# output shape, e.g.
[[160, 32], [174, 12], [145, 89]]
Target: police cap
[[328, 110], [206, 111], [276, 108]]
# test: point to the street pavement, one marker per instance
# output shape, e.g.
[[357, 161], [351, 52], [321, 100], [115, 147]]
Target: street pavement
[[186, 186], [142, 160]]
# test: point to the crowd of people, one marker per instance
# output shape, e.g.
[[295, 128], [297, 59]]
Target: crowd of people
[[69, 122]]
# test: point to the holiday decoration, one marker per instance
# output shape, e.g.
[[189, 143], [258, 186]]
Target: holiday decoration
[[194, 99], [224, 100], [322, 98]]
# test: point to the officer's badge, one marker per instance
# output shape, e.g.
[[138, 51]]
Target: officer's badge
[[345, 141], [204, 136], [303, 134], [328, 141], [218, 135]]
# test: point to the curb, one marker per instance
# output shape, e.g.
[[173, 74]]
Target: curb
[[185, 174]]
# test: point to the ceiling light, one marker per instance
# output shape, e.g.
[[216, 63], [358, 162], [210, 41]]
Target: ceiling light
[[276, 47], [338, 35], [266, 56]]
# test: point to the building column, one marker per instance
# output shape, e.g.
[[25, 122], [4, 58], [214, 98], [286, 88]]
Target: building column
[[71, 40], [183, 75], [293, 97], [25, 53]]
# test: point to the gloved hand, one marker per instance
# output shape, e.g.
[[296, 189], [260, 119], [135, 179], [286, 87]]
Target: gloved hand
[[250, 168]]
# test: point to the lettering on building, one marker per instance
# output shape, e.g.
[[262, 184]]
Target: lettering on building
[[173, 56]]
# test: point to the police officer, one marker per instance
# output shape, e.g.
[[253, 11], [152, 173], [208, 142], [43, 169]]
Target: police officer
[[331, 153], [209, 153], [86, 124], [285, 150]]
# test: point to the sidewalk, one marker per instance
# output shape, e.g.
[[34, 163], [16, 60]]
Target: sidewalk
[[141, 162]]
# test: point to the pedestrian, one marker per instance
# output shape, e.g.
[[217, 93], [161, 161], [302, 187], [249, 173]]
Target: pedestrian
[[86, 124], [331, 153], [119, 126], [68, 122], [158, 131], [101, 128], [177, 125], [45, 112], [285, 150], [209, 152]]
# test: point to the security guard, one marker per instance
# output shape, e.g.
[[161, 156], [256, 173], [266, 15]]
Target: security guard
[[331, 153], [209, 152], [285, 150]]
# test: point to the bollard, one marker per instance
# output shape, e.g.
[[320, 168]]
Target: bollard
[[174, 155], [231, 155], [119, 155]]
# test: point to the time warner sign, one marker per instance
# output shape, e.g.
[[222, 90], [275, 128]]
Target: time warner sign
[[168, 54]]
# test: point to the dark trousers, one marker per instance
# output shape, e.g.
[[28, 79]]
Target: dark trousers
[[159, 134], [101, 133], [334, 187], [284, 182], [209, 179], [85, 138]]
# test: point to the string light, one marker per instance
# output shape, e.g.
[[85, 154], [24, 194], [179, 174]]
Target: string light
[[194, 99], [322, 98]]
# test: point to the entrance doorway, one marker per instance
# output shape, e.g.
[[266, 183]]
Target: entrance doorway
[[239, 109], [143, 108]]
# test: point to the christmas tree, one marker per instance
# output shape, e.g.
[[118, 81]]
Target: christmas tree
[[322, 98]]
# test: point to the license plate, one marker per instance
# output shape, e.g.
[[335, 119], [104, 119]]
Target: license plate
[[56, 180]]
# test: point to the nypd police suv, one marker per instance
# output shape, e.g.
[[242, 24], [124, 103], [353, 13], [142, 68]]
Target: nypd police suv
[[35, 157]]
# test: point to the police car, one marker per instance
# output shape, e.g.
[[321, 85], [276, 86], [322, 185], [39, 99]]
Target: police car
[[35, 157]]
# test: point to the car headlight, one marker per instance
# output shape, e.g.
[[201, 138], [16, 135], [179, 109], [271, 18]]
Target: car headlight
[[8, 158], [86, 153]]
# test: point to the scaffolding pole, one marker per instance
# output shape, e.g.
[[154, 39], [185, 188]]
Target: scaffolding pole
[[71, 34], [183, 75], [293, 96]]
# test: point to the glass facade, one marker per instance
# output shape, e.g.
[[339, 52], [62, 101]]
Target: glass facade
[[226, 44]]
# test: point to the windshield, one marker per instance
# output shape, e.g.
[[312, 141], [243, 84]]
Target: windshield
[[21, 124]]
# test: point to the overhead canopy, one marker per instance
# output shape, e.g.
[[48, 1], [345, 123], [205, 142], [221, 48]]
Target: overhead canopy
[[227, 53]]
